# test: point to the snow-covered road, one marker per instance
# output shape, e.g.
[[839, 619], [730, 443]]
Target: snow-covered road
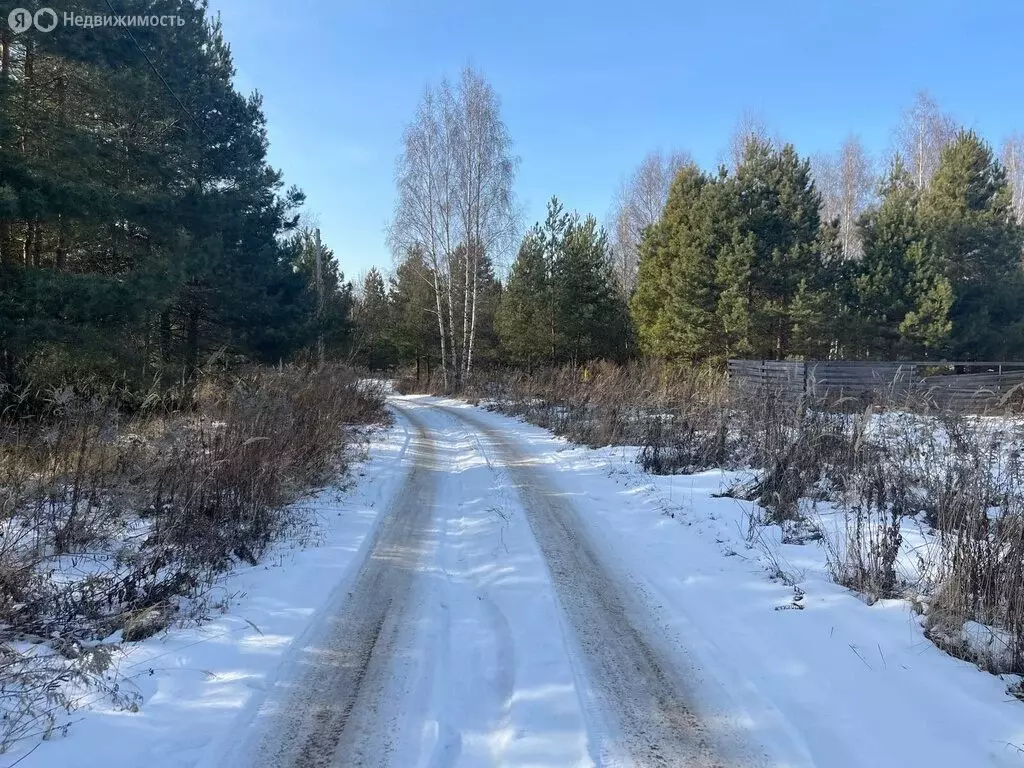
[[483, 627], [331, 707], [490, 595]]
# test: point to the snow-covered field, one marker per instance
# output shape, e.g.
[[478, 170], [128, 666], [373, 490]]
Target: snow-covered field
[[490, 672]]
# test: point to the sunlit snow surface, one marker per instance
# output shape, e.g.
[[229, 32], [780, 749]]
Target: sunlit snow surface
[[834, 683]]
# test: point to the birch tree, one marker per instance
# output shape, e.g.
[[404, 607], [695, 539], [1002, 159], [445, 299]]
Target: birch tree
[[750, 128], [421, 216], [825, 167], [856, 183], [921, 136], [638, 205], [455, 205], [845, 181], [485, 171], [1013, 161]]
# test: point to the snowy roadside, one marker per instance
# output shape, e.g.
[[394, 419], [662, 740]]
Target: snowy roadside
[[196, 682], [777, 654], [814, 671]]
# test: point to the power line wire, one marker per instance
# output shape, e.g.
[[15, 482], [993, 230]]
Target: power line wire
[[157, 73]]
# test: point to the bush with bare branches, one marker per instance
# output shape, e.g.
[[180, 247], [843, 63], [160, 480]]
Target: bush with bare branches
[[872, 470], [111, 520]]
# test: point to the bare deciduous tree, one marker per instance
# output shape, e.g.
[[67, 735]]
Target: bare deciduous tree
[[921, 136], [455, 204], [638, 204], [857, 181], [845, 181], [1013, 160], [750, 127], [485, 173], [421, 218], [825, 167]]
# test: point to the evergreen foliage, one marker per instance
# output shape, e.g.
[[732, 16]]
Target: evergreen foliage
[[742, 265], [561, 303], [139, 235]]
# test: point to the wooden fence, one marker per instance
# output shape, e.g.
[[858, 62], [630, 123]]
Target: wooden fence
[[959, 385]]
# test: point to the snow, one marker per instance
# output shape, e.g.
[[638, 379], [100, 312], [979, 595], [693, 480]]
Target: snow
[[837, 683], [503, 689], [777, 653], [195, 683], [994, 646]]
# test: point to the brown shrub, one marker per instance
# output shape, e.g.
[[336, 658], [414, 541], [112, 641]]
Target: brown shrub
[[107, 515]]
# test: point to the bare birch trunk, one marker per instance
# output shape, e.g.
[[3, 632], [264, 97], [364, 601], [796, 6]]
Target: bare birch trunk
[[467, 344], [1015, 174], [440, 328]]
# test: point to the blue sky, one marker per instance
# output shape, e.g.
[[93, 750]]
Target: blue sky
[[590, 86]]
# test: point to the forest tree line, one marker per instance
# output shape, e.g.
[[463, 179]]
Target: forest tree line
[[143, 232], [772, 255], [748, 263], [141, 227]]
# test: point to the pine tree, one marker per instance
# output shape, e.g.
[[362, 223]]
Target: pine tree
[[973, 250], [334, 323], [739, 264], [733, 270], [885, 283], [928, 325], [374, 346], [524, 318], [673, 306], [590, 315], [159, 223], [413, 313], [561, 303], [778, 206]]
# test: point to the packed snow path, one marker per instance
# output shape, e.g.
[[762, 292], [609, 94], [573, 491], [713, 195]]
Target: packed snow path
[[485, 594], [420, 661], [326, 715]]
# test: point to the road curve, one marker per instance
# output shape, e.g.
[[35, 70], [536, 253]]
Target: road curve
[[328, 716]]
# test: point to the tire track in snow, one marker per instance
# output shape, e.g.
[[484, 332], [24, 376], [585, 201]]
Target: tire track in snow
[[633, 682], [330, 716], [448, 747], [601, 754], [503, 683], [487, 654]]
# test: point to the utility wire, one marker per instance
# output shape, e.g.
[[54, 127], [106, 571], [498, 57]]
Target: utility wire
[[157, 73]]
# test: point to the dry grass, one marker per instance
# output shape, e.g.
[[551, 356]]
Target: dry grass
[[120, 521], [896, 461]]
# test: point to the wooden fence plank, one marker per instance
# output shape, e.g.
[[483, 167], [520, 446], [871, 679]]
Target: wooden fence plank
[[943, 385]]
